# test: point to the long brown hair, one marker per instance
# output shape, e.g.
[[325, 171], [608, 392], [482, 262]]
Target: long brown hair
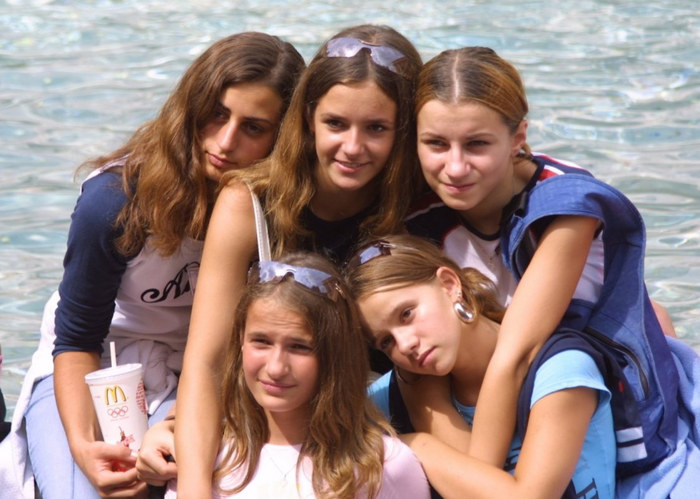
[[163, 174], [412, 260], [287, 178], [344, 439]]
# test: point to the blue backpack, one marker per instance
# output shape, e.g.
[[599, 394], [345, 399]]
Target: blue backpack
[[622, 323]]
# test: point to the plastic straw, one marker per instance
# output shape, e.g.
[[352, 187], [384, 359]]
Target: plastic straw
[[113, 354]]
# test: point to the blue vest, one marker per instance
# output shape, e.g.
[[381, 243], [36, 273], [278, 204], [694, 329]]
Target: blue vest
[[622, 318]]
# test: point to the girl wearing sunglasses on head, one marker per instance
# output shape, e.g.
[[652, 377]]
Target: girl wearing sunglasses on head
[[344, 167], [297, 420], [134, 243], [434, 319]]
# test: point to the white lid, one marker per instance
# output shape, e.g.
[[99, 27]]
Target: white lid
[[109, 372]]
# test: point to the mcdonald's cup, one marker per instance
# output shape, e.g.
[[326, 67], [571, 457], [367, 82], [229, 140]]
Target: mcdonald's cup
[[120, 403]]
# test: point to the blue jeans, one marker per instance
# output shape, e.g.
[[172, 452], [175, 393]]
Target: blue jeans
[[55, 472]]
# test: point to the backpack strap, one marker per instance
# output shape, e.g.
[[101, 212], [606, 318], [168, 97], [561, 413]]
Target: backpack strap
[[264, 253], [625, 410], [400, 419]]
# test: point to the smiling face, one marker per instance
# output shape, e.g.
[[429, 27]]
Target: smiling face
[[415, 325], [242, 129], [354, 127], [466, 153], [279, 362]]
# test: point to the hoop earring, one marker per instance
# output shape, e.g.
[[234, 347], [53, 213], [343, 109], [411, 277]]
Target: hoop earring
[[462, 312]]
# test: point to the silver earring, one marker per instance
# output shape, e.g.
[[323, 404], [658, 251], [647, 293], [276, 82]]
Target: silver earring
[[462, 312]]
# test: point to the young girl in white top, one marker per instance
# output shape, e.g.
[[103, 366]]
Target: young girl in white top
[[297, 420]]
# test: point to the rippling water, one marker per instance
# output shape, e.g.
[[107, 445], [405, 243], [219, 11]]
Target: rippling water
[[613, 85]]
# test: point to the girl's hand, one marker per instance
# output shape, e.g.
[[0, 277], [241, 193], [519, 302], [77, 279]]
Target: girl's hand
[[155, 463], [111, 470]]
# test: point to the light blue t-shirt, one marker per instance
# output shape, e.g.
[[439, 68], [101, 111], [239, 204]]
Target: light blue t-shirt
[[595, 471]]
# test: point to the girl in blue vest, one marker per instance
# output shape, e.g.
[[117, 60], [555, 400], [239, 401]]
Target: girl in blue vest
[[573, 245], [134, 248], [434, 319]]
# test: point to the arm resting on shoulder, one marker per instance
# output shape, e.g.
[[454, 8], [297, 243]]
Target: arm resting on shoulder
[[229, 246], [538, 305]]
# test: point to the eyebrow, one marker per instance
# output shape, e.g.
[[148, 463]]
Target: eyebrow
[[340, 117], [430, 135], [256, 119], [307, 338], [471, 136]]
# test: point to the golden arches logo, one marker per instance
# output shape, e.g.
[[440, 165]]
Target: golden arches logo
[[114, 393]]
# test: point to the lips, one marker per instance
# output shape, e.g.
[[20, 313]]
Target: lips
[[350, 165], [422, 358], [219, 162], [274, 388], [458, 188]]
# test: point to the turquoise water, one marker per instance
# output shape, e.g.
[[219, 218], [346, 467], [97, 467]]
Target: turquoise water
[[613, 86]]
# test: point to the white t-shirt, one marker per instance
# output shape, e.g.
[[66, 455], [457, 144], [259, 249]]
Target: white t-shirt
[[277, 477]]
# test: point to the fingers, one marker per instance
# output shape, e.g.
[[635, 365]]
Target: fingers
[[155, 464], [111, 469], [154, 467]]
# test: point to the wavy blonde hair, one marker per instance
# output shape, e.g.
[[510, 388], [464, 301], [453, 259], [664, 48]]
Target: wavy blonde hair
[[344, 440], [168, 197], [287, 178]]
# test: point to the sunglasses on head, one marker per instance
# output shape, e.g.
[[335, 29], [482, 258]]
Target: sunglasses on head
[[382, 55], [312, 279], [369, 253]]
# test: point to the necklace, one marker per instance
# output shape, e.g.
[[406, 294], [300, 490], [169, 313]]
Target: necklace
[[284, 486], [284, 474]]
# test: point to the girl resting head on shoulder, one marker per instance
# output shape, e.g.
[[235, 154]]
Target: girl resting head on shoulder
[[224, 114], [134, 242], [434, 319]]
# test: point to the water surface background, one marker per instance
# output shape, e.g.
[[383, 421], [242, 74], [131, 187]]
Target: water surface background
[[613, 86]]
